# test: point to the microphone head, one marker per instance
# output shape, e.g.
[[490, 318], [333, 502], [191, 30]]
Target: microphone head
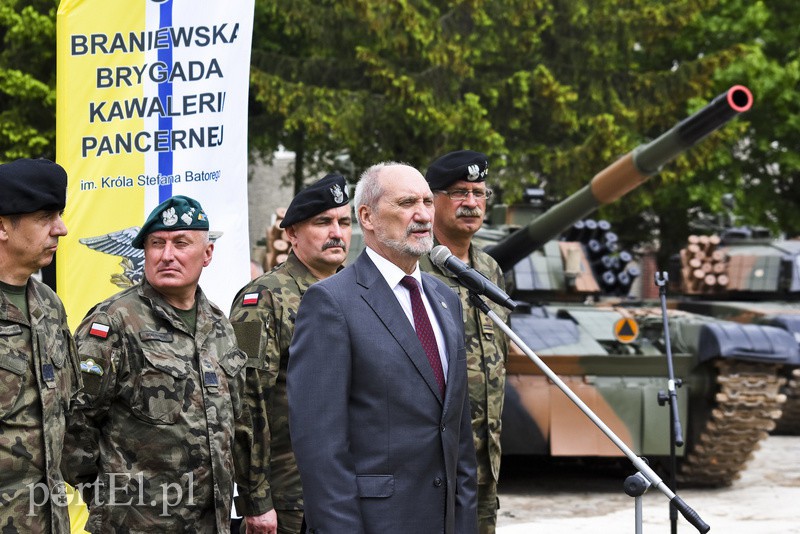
[[439, 255]]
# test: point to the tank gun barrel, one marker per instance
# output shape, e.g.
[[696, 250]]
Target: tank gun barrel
[[622, 176]]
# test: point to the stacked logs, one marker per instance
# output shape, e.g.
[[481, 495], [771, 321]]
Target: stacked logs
[[704, 265], [612, 267], [278, 244]]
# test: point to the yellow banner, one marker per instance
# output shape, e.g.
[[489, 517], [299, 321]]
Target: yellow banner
[[151, 102]]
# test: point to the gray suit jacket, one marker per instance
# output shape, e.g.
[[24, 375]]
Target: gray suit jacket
[[379, 450]]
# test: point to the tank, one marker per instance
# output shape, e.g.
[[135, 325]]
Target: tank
[[565, 271], [747, 275]]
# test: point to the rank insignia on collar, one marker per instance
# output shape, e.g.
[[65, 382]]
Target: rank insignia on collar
[[99, 330], [250, 299]]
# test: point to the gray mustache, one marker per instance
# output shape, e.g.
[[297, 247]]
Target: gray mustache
[[418, 227], [335, 243], [469, 212]]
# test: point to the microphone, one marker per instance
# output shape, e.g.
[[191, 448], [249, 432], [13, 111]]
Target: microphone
[[469, 277]]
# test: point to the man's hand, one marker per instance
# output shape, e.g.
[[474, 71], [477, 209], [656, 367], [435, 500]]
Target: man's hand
[[262, 524]]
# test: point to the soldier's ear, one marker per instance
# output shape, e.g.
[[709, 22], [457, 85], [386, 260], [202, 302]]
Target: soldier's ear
[[291, 233], [4, 223], [209, 252]]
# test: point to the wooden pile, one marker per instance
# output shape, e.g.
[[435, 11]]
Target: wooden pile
[[278, 244], [704, 265]]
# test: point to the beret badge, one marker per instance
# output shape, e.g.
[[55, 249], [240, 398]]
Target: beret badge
[[337, 193], [169, 217]]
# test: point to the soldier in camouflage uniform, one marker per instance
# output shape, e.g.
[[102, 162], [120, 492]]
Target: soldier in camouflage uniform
[[317, 224], [38, 364], [152, 436], [457, 181]]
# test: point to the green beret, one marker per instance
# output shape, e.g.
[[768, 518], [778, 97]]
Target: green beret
[[329, 192], [30, 185], [459, 165], [176, 213]]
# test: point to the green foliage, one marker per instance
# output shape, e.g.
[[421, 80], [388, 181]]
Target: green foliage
[[27, 79], [553, 90]]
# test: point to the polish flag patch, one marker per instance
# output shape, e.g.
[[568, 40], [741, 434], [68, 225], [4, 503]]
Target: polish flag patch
[[99, 330], [250, 299]]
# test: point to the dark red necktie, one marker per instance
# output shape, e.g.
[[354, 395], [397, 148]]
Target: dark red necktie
[[422, 324]]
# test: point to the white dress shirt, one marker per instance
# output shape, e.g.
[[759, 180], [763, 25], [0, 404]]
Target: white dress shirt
[[393, 274]]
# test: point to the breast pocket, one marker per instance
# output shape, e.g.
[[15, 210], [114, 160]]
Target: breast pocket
[[159, 395], [13, 370], [232, 363], [59, 347]]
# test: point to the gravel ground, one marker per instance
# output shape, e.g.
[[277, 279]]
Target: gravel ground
[[544, 498]]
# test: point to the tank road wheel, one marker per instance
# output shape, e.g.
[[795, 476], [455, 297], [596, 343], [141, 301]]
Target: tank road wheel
[[746, 407]]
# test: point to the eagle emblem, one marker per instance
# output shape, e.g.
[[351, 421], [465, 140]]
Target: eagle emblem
[[119, 244], [338, 194], [169, 217]]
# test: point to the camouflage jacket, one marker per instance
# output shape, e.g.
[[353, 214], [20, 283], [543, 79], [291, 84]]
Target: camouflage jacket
[[263, 315], [487, 352], [151, 437], [38, 377]]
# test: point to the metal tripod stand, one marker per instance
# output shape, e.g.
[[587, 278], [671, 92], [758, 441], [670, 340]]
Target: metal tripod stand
[[690, 515], [670, 397]]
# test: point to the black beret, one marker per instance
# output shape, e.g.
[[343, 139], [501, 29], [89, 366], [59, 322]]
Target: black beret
[[30, 185], [459, 165], [175, 213], [329, 192]]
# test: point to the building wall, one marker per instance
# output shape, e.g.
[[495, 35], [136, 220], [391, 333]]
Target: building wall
[[265, 193]]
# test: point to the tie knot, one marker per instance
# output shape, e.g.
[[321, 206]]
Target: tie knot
[[410, 283]]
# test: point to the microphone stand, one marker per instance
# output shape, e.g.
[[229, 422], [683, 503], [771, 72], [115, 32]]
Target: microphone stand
[[671, 398], [691, 516]]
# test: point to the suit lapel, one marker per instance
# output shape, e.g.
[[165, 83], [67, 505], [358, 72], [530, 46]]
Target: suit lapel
[[380, 297], [447, 324]]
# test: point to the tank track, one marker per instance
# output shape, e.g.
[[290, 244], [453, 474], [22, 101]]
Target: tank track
[[789, 423], [747, 405]]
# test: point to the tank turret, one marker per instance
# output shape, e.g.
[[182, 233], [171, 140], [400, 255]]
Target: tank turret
[[744, 274], [621, 177], [612, 352]]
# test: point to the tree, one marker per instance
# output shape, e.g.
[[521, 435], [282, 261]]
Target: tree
[[764, 165], [27, 79], [552, 90], [755, 157]]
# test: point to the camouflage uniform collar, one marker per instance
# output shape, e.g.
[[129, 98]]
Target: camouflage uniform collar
[[300, 273], [427, 261], [36, 307], [9, 313], [13, 314], [161, 307]]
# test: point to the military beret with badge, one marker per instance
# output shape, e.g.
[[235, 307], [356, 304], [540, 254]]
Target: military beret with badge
[[328, 192], [30, 185], [459, 165], [176, 213]]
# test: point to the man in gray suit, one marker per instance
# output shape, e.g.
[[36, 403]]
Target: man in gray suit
[[378, 404]]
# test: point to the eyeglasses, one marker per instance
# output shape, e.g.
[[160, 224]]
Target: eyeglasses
[[460, 195]]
